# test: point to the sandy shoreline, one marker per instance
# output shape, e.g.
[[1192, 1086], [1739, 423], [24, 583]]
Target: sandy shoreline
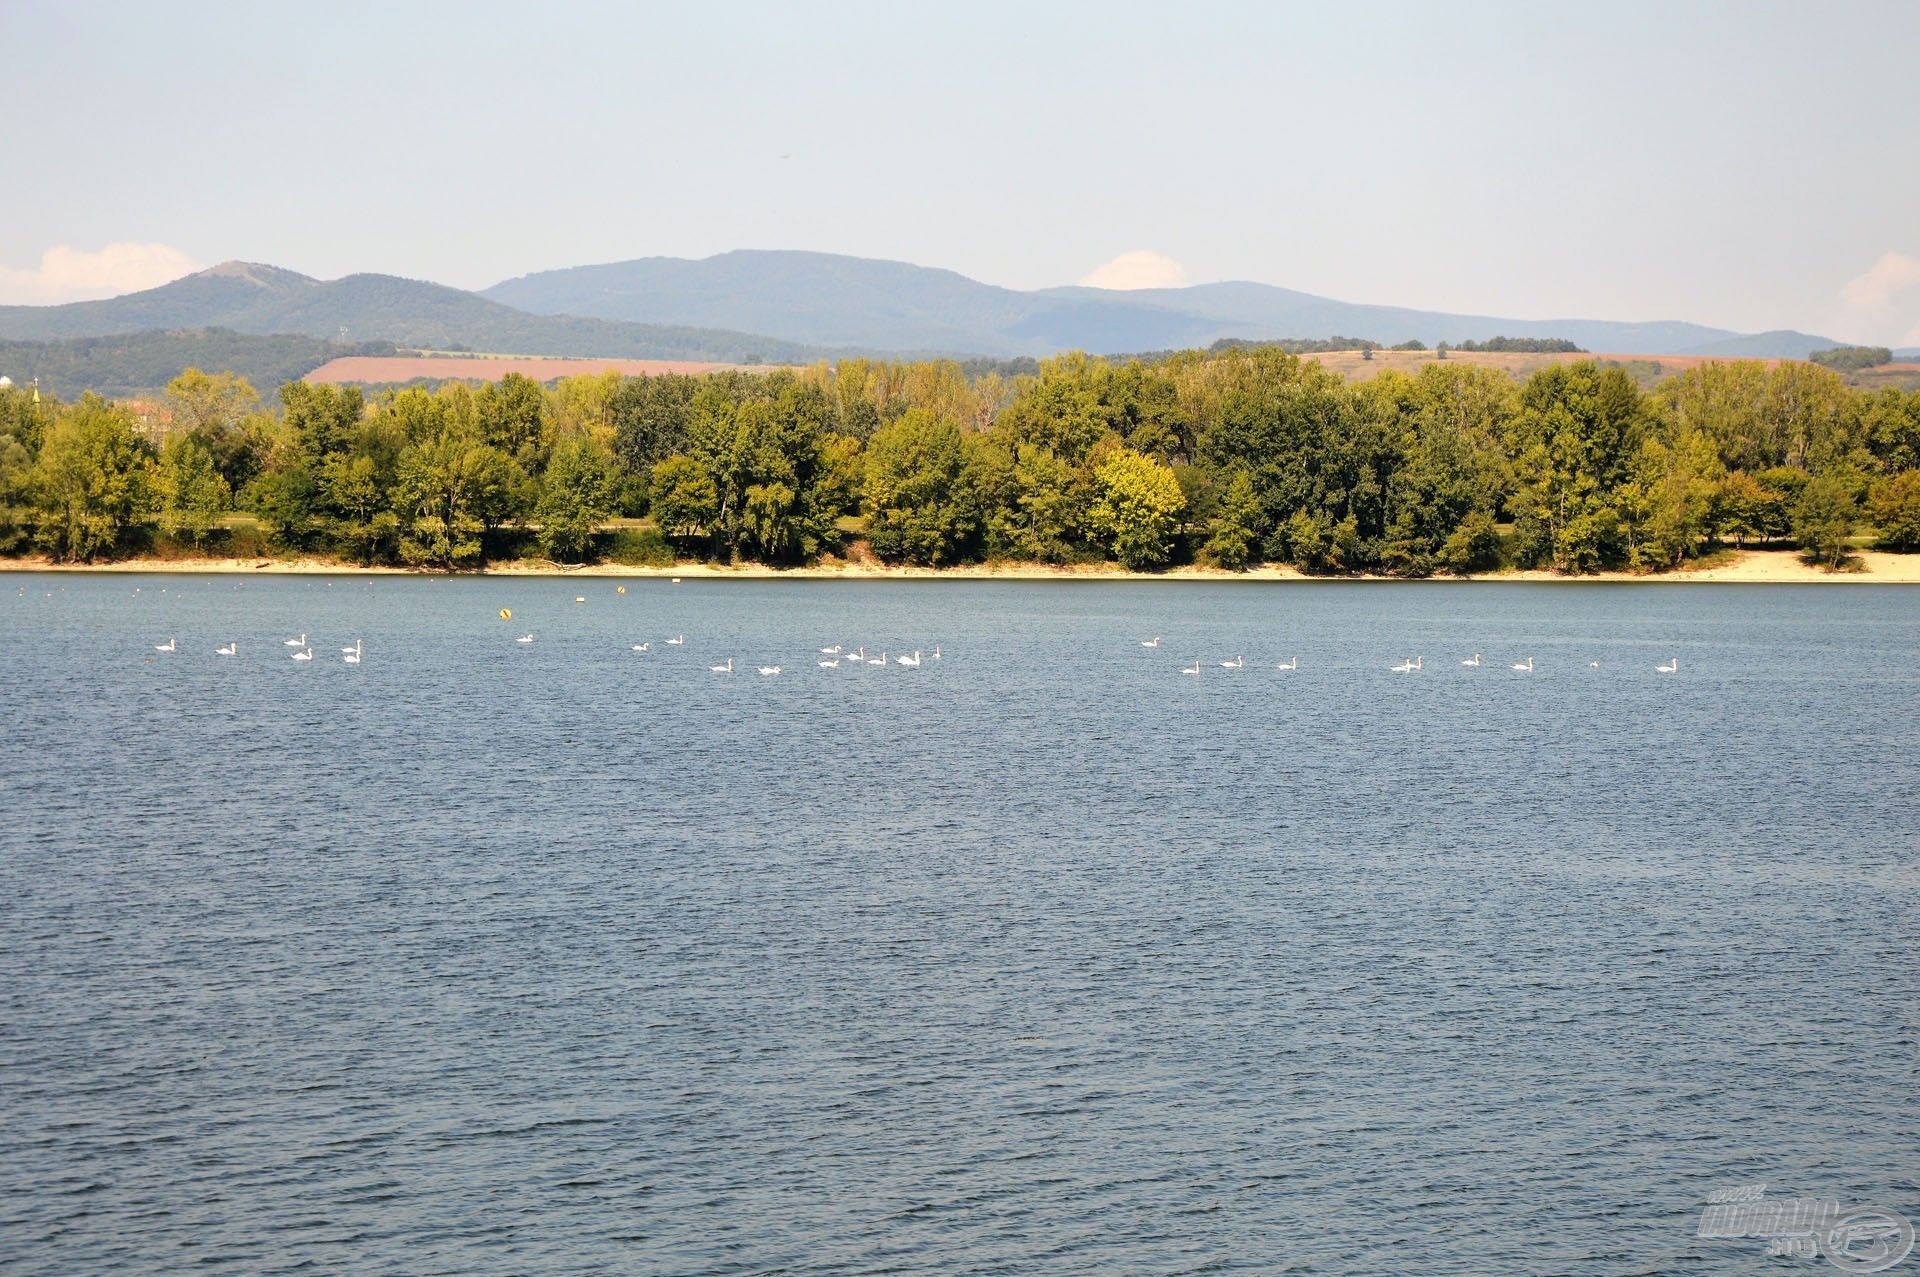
[[1780, 567]]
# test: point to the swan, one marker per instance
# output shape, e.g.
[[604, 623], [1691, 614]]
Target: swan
[[1237, 663], [1419, 662], [769, 670], [859, 656], [643, 647], [936, 651], [830, 665], [1152, 642], [878, 660], [1672, 667], [352, 656], [912, 661], [228, 650], [1404, 667], [354, 648], [524, 638], [1525, 667], [1293, 664], [299, 642], [1472, 662], [1593, 665], [676, 640], [304, 654], [723, 669], [830, 651], [167, 646], [1194, 669]]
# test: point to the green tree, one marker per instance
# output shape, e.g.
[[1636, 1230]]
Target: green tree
[[451, 491], [576, 497], [685, 502], [1234, 532], [1823, 520], [93, 480], [1895, 509], [193, 494], [1138, 509], [920, 490]]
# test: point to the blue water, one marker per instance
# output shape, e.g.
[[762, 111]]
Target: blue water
[[497, 958]]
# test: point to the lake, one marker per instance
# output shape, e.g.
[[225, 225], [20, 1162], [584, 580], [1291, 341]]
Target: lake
[[492, 957]]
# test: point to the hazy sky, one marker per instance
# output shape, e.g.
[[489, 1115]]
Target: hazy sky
[[1749, 165]]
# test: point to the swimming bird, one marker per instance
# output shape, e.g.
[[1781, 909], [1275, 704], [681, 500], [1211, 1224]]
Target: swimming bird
[[1293, 664], [1593, 665], [1419, 662], [304, 654], [769, 670], [859, 656], [1152, 642], [676, 640], [1237, 663], [936, 651], [299, 642], [643, 647], [913, 661], [524, 638], [1404, 667], [228, 650], [723, 669], [167, 646], [1195, 670], [1525, 667], [1672, 667], [830, 651], [878, 660], [352, 656], [830, 665], [354, 648], [1472, 661]]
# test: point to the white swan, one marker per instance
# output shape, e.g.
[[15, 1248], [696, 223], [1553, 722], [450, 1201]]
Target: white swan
[[167, 646], [1472, 662], [769, 670], [936, 651], [1152, 642], [1419, 662], [643, 647], [304, 654], [299, 642], [352, 656], [1672, 667], [830, 665], [354, 648], [723, 669], [676, 640], [1237, 663], [524, 638], [1593, 665], [1293, 664], [1525, 667], [1194, 669], [878, 660], [1404, 667], [912, 661], [830, 651], [228, 650]]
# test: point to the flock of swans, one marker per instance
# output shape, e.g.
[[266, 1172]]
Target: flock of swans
[[1411, 665], [303, 650]]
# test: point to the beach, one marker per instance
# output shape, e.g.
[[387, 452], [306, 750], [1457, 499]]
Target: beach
[[1748, 567]]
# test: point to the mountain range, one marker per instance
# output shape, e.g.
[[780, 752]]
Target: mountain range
[[748, 307]]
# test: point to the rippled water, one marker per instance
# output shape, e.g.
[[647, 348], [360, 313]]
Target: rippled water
[[485, 957]]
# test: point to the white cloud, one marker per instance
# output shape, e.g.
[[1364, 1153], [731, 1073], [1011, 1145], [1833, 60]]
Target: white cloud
[[1885, 297], [68, 274], [1142, 268]]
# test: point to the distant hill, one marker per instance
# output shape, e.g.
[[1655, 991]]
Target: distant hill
[[249, 298], [132, 363], [826, 299]]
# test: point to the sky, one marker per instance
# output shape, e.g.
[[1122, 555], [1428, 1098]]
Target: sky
[[1749, 165]]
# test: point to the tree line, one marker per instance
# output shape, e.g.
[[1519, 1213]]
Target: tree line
[[1229, 458]]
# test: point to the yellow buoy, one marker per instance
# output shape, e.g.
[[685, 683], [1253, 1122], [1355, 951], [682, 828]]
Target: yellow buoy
[[619, 589], [506, 614]]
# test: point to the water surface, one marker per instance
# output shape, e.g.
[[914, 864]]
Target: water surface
[[494, 958]]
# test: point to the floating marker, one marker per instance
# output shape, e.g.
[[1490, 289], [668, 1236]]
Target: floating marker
[[506, 614]]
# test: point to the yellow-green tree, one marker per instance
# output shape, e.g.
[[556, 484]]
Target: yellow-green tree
[[93, 480], [1138, 508]]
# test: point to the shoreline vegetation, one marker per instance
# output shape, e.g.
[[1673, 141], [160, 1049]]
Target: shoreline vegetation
[[1249, 461], [1753, 567]]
